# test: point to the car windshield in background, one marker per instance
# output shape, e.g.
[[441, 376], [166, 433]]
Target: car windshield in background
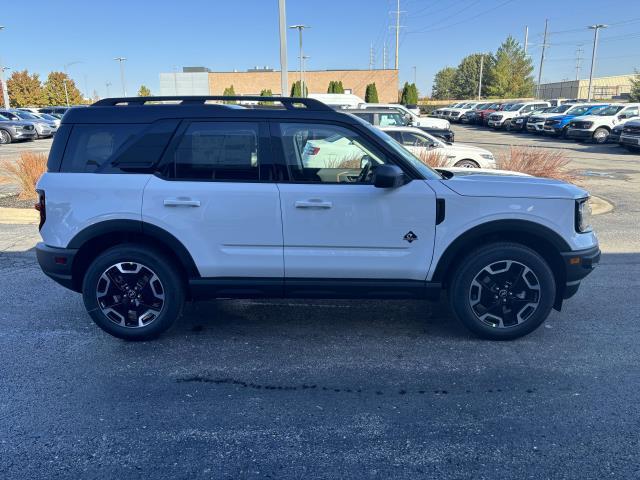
[[578, 110], [27, 115], [612, 110], [560, 109], [514, 107]]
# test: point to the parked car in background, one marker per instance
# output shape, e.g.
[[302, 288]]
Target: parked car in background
[[557, 125], [503, 119], [455, 113], [459, 155], [630, 137], [444, 112], [519, 123], [51, 118], [469, 116], [54, 110], [15, 130], [597, 126], [411, 117], [389, 118], [415, 109], [482, 116], [535, 122], [616, 132], [342, 100], [43, 127]]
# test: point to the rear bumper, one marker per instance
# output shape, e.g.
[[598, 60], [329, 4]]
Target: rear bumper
[[57, 263], [577, 265]]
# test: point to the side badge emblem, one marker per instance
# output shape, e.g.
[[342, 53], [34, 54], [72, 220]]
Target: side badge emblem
[[410, 237]]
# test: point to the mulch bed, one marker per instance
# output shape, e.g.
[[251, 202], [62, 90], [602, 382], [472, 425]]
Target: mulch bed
[[12, 201]]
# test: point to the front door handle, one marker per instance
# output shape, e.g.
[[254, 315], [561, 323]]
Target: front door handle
[[181, 202], [313, 203]]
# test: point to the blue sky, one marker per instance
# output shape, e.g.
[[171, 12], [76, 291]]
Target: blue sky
[[158, 36]]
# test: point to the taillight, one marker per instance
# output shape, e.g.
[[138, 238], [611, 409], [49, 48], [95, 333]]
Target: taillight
[[314, 150], [41, 207]]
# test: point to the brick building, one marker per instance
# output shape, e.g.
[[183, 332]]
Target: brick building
[[200, 81]]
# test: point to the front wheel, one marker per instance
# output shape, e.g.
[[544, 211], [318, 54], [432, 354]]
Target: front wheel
[[466, 163], [600, 135], [5, 137], [502, 291], [133, 293]]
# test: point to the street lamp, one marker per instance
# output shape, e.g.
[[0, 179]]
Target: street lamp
[[596, 28], [64, 80], [108, 84], [124, 88], [304, 71], [5, 92], [300, 28]]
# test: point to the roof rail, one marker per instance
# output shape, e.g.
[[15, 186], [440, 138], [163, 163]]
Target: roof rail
[[288, 102]]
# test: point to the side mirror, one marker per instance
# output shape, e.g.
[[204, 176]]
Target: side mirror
[[388, 176], [407, 118]]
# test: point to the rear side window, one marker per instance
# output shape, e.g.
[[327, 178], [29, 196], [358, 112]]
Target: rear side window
[[218, 151], [91, 147]]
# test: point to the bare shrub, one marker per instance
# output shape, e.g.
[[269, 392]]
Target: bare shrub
[[433, 158], [25, 172], [539, 162]]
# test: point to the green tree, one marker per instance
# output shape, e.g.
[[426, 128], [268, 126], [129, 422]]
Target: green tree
[[332, 87], [25, 90], [371, 93], [339, 87], [266, 93], [467, 75], [510, 74], [54, 89], [229, 92], [296, 90], [634, 94], [444, 84], [409, 95], [144, 91]]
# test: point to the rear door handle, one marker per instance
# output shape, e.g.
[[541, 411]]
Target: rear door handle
[[313, 203], [181, 202]]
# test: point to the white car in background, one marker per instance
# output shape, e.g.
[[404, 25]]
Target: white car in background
[[502, 119], [442, 112], [455, 155], [597, 127], [455, 114], [414, 120]]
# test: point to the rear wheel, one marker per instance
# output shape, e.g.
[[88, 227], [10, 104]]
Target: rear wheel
[[600, 135], [133, 293], [5, 137], [502, 291], [466, 163]]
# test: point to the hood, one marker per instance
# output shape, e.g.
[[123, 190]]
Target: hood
[[469, 148], [474, 182]]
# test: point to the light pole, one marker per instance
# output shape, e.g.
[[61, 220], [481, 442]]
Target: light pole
[[5, 91], [108, 84], [304, 70], [415, 75], [480, 77], [300, 28], [64, 80], [284, 73], [124, 88], [596, 28]]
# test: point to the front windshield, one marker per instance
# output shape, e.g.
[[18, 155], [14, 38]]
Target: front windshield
[[11, 116], [27, 115], [514, 107], [405, 154], [560, 109], [46, 116], [612, 110], [579, 110]]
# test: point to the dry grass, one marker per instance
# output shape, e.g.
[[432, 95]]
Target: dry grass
[[25, 172], [539, 162], [433, 158]]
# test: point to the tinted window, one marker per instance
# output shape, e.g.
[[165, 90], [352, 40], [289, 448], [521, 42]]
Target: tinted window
[[327, 154], [367, 117], [94, 146], [218, 151], [391, 120]]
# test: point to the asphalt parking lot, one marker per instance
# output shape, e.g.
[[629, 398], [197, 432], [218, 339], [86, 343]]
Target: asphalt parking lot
[[331, 389]]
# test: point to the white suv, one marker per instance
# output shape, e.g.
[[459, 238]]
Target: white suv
[[421, 143], [597, 127], [502, 119], [146, 205], [413, 119]]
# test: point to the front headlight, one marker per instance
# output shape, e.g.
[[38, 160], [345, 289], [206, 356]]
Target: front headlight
[[487, 156], [587, 124], [583, 215]]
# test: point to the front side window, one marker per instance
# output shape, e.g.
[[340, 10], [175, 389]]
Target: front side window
[[327, 154], [612, 110], [391, 119], [218, 151]]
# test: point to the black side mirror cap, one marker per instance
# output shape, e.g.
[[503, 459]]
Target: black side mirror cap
[[388, 176]]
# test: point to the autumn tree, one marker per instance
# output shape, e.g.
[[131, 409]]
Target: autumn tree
[[54, 90], [144, 91], [25, 90]]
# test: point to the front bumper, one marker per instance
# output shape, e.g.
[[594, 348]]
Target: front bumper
[[629, 140], [577, 265], [57, 263], [23, 134], [579, 133], [535, 127]]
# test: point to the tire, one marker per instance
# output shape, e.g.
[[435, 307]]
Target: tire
[[5, 137], [563, 133], [600, 135], [467, 163], [474, 303], [119, 271]]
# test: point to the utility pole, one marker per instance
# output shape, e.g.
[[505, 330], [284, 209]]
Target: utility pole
[[124, 87], [108, 84], [544, 47], [284, 80], [526, 39], [415, 75], [578, 62], [384, 55], [480, 77], [371, 57], [64, 80], [397, 33], [5, 91], [304, 70], [300, 28], [596, 28]]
